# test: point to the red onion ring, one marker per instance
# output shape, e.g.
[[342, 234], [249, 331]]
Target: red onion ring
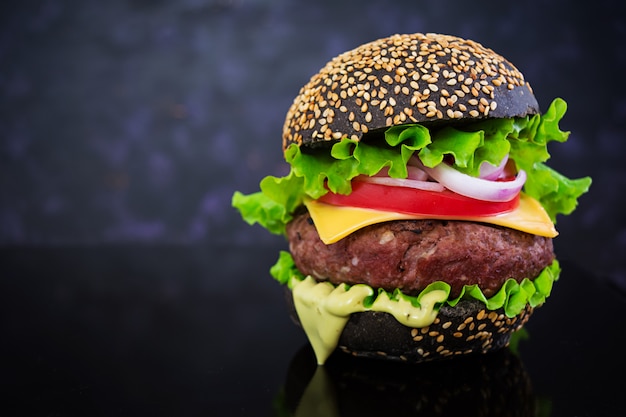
[[492, 172], [478, 188], [402, 182]]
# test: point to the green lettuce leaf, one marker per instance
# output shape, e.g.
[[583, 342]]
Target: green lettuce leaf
[[314, 172], [512, 296], [285, 269]]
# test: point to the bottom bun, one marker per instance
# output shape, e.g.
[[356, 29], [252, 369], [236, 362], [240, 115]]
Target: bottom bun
[[463, 329]]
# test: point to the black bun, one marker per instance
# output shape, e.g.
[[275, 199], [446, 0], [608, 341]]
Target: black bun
[[401, 79], [467, 328]]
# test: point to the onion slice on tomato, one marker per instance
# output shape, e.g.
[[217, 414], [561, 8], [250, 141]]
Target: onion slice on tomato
[[480, 189], [402, 182], [492, 172], [416, 178]]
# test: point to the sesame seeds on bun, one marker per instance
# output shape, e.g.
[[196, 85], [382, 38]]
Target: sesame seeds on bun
[[467, 328], [401, 79]]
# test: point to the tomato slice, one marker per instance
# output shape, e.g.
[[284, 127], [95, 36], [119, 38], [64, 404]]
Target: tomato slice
[[414, 201]]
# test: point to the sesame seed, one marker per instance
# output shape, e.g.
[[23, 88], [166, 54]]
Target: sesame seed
[[400, 62]]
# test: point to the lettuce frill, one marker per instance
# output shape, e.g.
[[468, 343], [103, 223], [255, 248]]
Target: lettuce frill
[[314, 172], [512, 296]]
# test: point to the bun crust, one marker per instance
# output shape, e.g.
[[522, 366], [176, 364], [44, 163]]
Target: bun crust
[[467, 328], [401, 79]]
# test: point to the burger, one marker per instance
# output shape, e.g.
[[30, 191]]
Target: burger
[[418, 208]]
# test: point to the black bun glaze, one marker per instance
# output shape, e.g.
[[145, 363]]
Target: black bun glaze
[[414, 78], [467, 328], [460, 330]]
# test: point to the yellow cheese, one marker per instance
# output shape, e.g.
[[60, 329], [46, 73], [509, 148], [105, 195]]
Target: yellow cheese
[[336, 222]]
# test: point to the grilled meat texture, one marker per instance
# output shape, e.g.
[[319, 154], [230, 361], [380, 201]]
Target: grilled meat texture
[[410, 254]]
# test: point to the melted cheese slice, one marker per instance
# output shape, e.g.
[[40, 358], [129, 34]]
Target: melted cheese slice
[[336, 222]]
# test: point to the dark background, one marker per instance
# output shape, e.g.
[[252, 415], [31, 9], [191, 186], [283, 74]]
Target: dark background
[[126, 278], [134, 121]]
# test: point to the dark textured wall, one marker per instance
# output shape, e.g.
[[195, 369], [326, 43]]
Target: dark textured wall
[[135, 121]]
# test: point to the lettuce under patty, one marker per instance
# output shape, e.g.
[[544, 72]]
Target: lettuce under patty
[[315, 172], [512, 296]]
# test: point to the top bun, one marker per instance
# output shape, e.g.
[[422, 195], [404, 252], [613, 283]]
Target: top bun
[[403, 79]]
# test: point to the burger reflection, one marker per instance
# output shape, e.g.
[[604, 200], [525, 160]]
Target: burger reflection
[[494, 384]]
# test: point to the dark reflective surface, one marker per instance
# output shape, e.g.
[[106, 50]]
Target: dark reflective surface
[[481, 385], [132, 330]]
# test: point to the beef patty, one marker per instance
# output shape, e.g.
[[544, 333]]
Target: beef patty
[[410, 254]]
